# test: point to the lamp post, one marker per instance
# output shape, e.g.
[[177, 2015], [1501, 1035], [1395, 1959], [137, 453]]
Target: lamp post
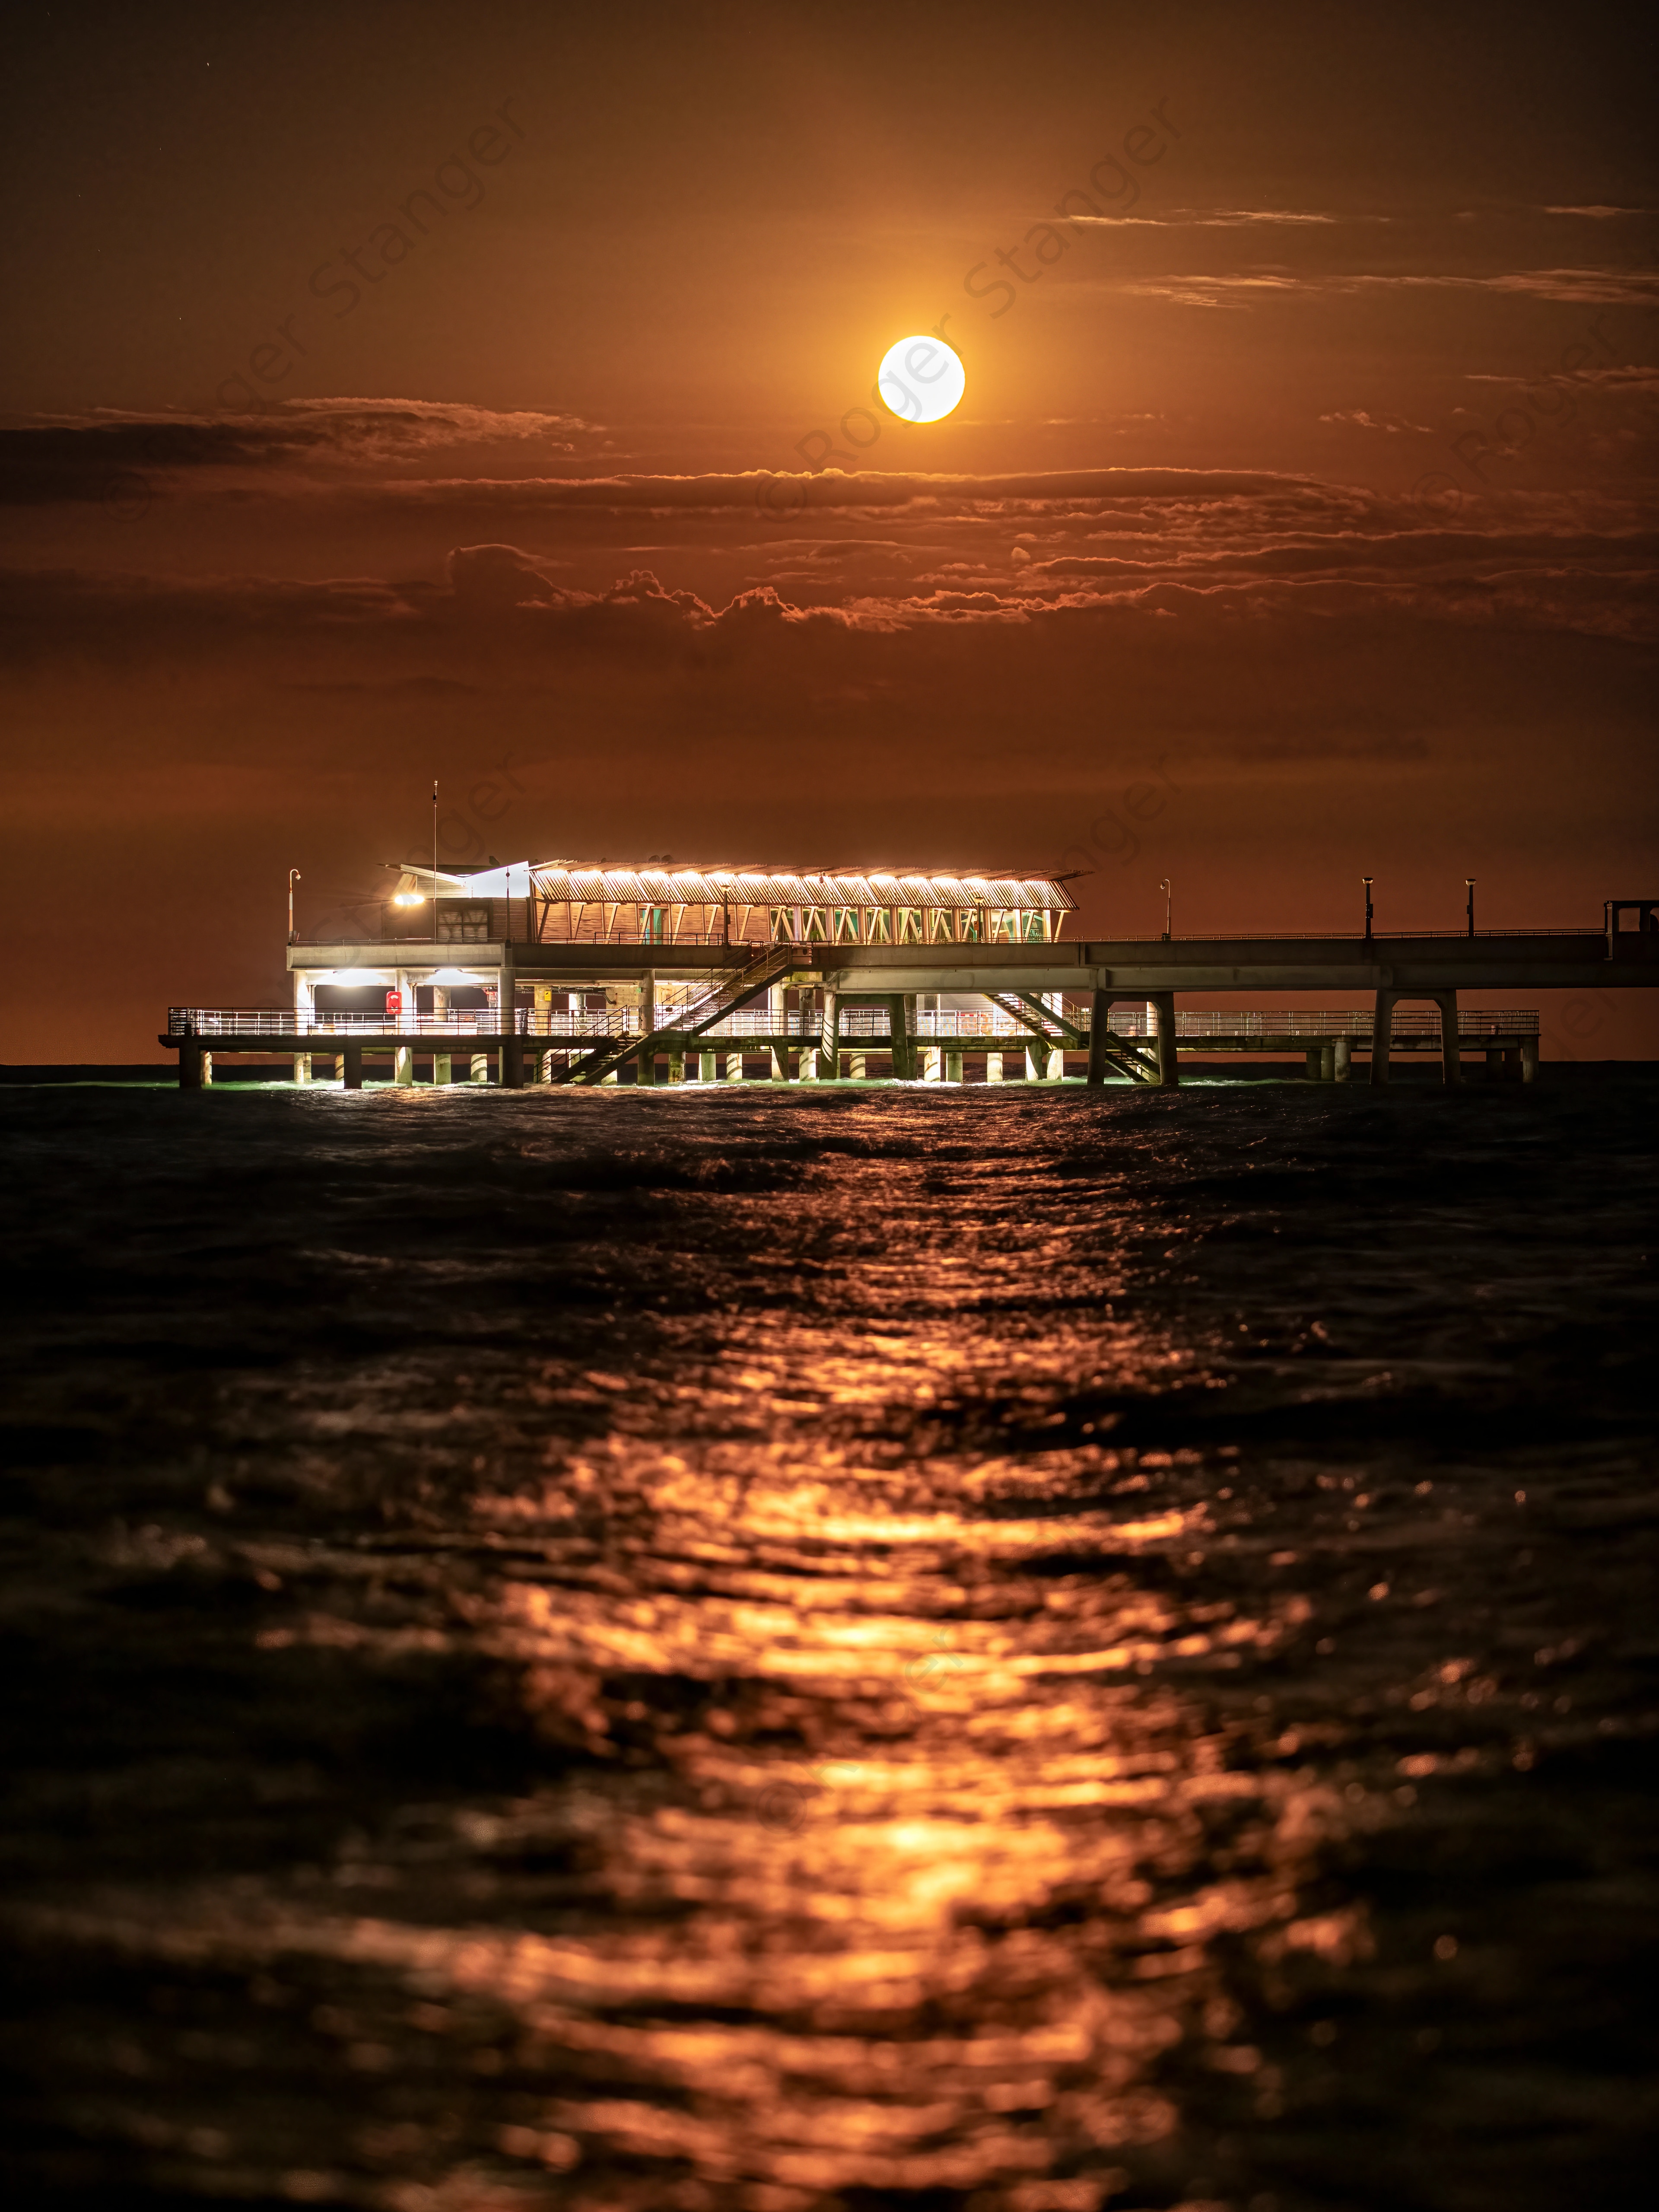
[[1468, 884], [1368, 881], [293, 879], [1169, 901]]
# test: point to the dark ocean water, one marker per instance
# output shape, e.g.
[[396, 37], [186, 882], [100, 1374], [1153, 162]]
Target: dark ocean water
[[791, 1651]]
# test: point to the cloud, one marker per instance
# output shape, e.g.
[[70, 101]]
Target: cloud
[[93, 457], [1587, 288]]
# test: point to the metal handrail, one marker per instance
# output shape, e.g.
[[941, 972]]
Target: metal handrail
[[555, 1027]]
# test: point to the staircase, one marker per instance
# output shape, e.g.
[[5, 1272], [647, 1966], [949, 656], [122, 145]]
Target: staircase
[[728, 995], [1128, 1058]]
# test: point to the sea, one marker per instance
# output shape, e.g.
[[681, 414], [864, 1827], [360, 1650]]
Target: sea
[[1012, 1649]]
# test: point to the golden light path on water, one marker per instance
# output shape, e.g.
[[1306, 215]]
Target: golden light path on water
[[845, 1769]]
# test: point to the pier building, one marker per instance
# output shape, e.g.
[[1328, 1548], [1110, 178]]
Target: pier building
[[567, 972]]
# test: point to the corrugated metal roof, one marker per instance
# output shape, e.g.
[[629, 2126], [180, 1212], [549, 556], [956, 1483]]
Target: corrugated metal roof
[[570, 882]]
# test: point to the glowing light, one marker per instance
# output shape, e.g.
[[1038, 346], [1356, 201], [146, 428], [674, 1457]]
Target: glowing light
[[921, 379], [408, 898]]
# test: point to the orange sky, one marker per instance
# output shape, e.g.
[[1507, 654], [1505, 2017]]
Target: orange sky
[[408, 392]]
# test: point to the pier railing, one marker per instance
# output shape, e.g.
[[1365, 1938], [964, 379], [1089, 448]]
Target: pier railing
[[943, 1024]]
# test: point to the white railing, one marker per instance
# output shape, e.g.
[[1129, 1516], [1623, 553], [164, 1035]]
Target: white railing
[[945, 1024]]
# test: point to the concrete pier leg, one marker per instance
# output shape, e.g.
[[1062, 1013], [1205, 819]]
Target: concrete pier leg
[[402, 1068], [190, 1067], [856, 1063], [780, 1064], [479, 1071], [1451, 1060], [707, 1071], [302, 1066], [1381, 1036], [807, 1064], [830, 1038], [993, 1068], [1315, 1059], [734, 1067], [1327, 1063], [931, 1063], [898, 1029], [1100, 1008], [677, 1067], [353, 1057], [1342, 1059], [1529, 1060], [645, 1068], [953, 1067], [1168, 1068], [442, 1069], [512, 1065], [207, 1069]]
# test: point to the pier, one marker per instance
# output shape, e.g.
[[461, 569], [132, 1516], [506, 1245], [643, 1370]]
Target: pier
[[557, 975]]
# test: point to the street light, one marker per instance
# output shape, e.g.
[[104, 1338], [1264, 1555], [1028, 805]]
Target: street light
[[1468, 884], [1169, 901], [293, 879], [1368, 881]]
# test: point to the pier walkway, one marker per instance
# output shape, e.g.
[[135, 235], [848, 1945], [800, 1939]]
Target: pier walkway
[[816, 1011]]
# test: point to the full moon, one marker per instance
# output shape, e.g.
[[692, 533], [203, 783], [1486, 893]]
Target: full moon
[[921, 379]]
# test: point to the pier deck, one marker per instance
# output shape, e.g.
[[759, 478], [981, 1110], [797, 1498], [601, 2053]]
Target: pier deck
[[682, 1007]]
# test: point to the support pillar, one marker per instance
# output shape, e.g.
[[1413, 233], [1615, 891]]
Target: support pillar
[[1327, 1063], [207, 1070], [830, 1038], [734, 1067], [993, 1068], [1168, 1068], [1382, 1035], [780, 1055], [898, 1027], [676, 1065], [1529, 1059], [302, 1066], [1451, 1060], [1100, 1008], [1315, 1058], [441, 1068], [953, 1066], [512, 1064], [706, 1069], [931, 1063], [479, 1071], [353, 1056], [1342, 1059], [403, 1066], [1036, 1062], [645, 1068], [856, 1066], [190, 1066]]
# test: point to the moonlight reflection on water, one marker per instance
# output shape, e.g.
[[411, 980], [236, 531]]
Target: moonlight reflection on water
[[1017, 1652]]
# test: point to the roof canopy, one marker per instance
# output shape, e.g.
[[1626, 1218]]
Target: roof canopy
[[570, 882]]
